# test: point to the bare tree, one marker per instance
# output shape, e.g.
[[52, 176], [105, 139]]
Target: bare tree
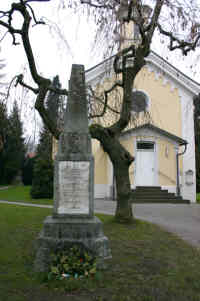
[[111, 15]]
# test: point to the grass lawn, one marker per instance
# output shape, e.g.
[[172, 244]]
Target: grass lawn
[[198, 197], [21, 193], [148, 264]]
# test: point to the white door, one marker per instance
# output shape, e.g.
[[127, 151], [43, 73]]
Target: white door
[[145, 164]]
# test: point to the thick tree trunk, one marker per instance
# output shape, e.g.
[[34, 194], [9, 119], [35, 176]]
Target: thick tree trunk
[[123, 213], [121, 160]]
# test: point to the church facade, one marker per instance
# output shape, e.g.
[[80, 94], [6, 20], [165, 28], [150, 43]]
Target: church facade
[[162, 140]]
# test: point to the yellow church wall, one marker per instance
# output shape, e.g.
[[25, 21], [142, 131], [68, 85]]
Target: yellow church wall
[[165, 108], [100, 163], [165, 113], [166, 163]]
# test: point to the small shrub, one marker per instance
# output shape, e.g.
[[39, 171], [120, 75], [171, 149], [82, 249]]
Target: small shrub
[[72, 263]]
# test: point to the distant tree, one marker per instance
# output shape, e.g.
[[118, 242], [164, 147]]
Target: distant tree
[[3, 136], [3, 124], [3, 110], [27, 170], [14, 149], [42, 184], [53, 100]]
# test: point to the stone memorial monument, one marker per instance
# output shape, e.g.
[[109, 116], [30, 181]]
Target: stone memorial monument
[[73, 221]]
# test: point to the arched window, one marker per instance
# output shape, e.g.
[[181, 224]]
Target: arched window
[[140, 102]]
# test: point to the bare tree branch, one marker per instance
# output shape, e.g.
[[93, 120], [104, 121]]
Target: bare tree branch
[[11, 30], [154, 20], [96, 5], [20, 81], [105, 102], [123, 54], [27, 1], [39, 105], [44, 84], [184, 46], [34, 17]]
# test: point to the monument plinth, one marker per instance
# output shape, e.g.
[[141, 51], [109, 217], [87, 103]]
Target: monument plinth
[[73, 221]]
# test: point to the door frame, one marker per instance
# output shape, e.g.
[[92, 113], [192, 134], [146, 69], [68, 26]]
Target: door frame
[[146, 139]]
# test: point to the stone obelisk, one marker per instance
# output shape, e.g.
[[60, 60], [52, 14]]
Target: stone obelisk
[[73, 221], [74, 165]]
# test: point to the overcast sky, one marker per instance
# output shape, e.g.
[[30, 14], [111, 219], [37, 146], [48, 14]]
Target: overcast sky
[[55, 52], [70, 42]]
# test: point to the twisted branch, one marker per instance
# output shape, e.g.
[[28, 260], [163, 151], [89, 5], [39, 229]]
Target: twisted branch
[[105, 102], [44, 84], [184, 46]]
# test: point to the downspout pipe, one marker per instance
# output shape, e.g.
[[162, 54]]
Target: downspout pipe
[[178, 191], [113, 186]]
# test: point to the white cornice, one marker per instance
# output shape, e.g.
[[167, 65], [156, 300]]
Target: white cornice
[[99, 72], [154, 62], [173, 72]]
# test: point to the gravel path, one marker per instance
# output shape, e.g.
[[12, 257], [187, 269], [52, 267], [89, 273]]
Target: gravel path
[[182, 219]]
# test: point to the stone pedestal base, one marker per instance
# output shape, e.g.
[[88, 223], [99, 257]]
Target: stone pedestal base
[[61, 233]]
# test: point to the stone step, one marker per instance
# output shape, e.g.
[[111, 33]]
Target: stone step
[[146, 196], [158, 192], [162, 195], [152, 190], [148, 188], [160, 201], [154, 194]]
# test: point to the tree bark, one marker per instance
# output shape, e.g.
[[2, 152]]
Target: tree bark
[[121, 160], [123, 213]]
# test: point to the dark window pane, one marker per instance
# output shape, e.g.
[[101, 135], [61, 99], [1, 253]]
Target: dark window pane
[[145, 145]]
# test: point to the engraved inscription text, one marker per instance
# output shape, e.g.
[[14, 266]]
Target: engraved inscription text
[[73, 187]]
